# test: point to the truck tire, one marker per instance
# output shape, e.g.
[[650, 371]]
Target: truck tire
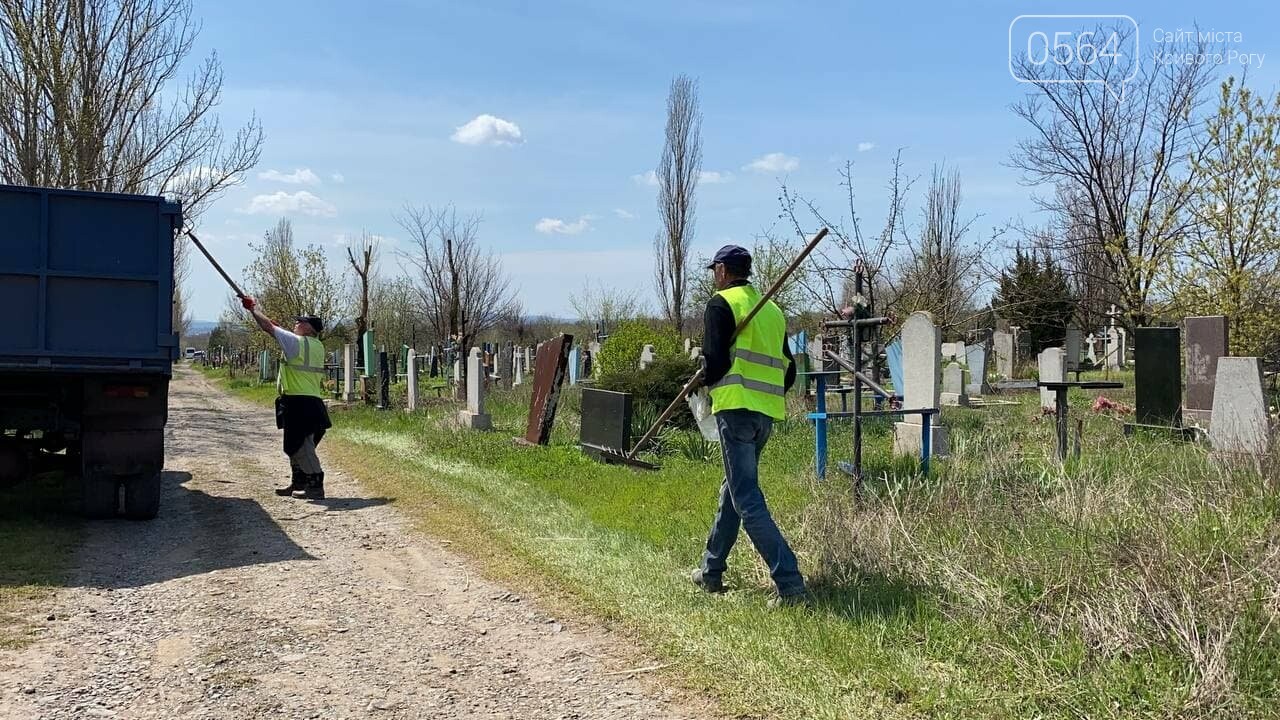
[[101, 494], [142, 496]]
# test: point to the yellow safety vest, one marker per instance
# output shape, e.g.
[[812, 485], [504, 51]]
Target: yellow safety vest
[[757, 375], [302, 374]]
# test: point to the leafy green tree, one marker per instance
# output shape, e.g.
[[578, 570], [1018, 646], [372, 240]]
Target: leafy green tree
[[1231, 259], [1034, 295], [621, 352]]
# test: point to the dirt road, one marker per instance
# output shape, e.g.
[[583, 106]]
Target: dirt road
[[238, 604]]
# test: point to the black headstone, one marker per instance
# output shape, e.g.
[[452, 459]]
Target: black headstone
[[435, 365], [606, 420], [1157, 375], [384, 381]]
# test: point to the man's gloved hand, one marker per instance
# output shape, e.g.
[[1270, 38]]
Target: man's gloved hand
[[700, 379], [248, 302]]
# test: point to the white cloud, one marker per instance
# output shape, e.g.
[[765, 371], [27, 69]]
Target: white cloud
[[301, 176], [649, 178], [773, 163], [548, 226], [623, 214], [283, 203], [488, 130], [710, 177], [865, 146], [338, 178]]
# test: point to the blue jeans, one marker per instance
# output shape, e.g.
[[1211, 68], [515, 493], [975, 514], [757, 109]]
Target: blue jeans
[[743, 434]]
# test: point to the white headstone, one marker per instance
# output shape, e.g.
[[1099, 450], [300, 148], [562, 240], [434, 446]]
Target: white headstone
[[1239, 424], [921, 371], [646, 356], [1091, 349], [953, 386], [1053, 368], [976, 360], [517, 361], [474, 417], [348, 372], [1003, 343], [1113, 348], [411, 379]]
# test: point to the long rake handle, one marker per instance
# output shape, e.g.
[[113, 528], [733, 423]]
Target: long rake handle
[[216, 266], [698, 376]]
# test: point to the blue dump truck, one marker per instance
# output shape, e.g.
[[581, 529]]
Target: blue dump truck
[[87, 344]]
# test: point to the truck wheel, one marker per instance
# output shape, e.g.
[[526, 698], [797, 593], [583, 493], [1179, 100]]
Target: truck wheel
[[101, 495], [142, 496]]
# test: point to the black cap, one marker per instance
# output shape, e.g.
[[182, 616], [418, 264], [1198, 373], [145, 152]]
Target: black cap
[[313, 321], [733, 256]]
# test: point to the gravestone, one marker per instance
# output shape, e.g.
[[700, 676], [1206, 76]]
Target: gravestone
[[505, 361], [1091, 351], [575, 356], [369, 357], [953, 387], [517, 359], [529, 366], [435, 363], [474, 417], [384, 381], [264, 366], [411, 378], [953, 351], [975, 357], [348, 372], [893, 358], [457, 372], [921, 371], [1239, 425], [1206, 343], [1003, 343], [1053, 368], [606, 420], [1072, 347], [548, 377], [1157, 376], [688, 344], [646, 356]]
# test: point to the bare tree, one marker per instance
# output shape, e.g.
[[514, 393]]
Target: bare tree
[[462, 288], [943, 271], [677, 174], [828, 277], [1120, 160], [92, 101], [601, 307], [362, 254]]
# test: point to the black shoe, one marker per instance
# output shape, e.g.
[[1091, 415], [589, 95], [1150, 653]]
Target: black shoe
[[795, 599], [299, 482], [314, 489], [708, 583]]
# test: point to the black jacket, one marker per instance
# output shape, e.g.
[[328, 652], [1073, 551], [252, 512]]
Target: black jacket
[[718, 327]]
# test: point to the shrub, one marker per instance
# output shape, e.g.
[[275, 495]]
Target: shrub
[[621, 352], [657, 384]]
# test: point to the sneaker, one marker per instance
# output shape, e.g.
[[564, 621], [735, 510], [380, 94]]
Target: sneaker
[[792, 600], [314, 489], [708, 583]]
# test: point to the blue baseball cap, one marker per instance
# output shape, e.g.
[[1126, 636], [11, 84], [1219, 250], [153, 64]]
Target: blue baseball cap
[[735, 256]]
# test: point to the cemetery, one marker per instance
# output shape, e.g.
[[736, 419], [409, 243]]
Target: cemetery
[[954, 510]]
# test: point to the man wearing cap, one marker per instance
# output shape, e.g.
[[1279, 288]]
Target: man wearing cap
[[748, 376], [300, 410]]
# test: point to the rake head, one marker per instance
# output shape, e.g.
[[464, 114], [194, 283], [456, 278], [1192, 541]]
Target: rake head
[[612, 456]]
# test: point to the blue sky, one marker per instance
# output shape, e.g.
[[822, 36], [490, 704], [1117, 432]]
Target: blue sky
[[362, 105]]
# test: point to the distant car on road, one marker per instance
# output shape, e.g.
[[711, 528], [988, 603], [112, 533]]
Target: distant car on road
[[191, 353]]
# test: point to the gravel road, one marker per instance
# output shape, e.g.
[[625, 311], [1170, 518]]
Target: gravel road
[[236, 603]]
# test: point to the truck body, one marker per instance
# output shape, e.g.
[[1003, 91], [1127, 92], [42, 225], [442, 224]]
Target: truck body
[[87, 281]]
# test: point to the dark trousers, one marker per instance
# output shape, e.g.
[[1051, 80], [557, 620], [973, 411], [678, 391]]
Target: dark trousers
[[743, 434]]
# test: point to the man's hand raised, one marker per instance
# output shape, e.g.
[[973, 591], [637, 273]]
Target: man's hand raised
[[248, 302]]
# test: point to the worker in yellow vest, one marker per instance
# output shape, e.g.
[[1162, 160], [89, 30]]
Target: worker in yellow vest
[[300, 410], [748, 377]]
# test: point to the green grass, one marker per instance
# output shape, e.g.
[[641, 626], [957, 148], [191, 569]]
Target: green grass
[[37, 542], [1138, 581]]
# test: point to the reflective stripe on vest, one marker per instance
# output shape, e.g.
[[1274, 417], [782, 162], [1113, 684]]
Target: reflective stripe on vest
[[300, 375], [756, 379]]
